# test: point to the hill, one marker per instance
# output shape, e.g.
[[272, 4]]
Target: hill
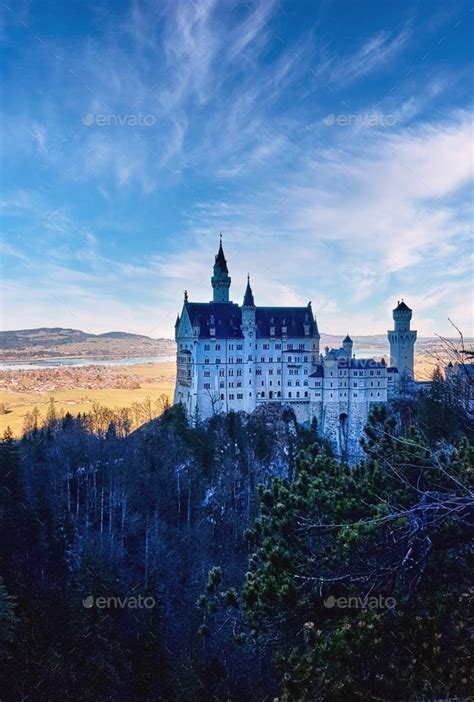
[[57, 342]]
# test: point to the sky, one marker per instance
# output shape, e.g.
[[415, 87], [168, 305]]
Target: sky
[[329, 142]]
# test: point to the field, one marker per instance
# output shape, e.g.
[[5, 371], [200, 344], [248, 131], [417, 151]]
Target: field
[[155, 379]]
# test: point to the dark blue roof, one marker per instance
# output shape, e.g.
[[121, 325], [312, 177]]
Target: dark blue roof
[[318, 373], [402, 307], [220, 261], [228, 318], [295, 319], [248, 297]]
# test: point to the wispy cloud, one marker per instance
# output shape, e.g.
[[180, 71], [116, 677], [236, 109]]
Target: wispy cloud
[[122, 219]]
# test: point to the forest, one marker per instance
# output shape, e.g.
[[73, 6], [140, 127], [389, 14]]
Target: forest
[[236, 559]]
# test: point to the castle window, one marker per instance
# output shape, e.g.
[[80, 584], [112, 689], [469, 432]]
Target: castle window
[[355, 394], [231, 385], [305, 382], [289, 383], [231, 396], [262, 383], [231, 359], [239, 359], [378, 394], [222, 396], [218, 360], [239, 372], [231, 347], [250, 358], [239, 384], [221, 385], [258, 371], [266, 347], [371, 372], [207, 374], [218, 347], [278, 370], [289, 359], [240, 396], [306, 359], [262, 394], [239, 347], [207, 386], [271, 359], [250, 394], [301, 347], [262, 359], [270, 372], [206, 360], [278, 346], [289, 347], [355, 385], [278, 394], [222, 373], [206, 347], [297, 394], [289, 394], [271, 382], [297, 382]]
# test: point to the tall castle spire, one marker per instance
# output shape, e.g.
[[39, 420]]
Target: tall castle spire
[[220, 279], [248, 297]]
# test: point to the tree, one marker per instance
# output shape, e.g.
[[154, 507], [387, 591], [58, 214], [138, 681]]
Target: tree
[[396, 529]]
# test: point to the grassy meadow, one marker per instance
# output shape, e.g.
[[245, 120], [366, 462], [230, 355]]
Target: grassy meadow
[[81, 399]]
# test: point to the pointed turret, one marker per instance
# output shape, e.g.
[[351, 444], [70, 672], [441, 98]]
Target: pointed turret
[[220, 262], [347, 345], [248, 297], [220, 279]]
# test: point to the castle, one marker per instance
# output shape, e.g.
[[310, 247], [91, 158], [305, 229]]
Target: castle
[[232, 357]]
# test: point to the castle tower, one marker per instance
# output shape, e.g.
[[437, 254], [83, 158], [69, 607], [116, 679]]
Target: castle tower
[[249, 332], [220, 279], [347, 345], [402, 341]]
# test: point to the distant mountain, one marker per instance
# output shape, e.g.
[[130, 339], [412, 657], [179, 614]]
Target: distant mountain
[[49, 342], [58, 335]]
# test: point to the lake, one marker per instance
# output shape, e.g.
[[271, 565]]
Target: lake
[[79, 362]]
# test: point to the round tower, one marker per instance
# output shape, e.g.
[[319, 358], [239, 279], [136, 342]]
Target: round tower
[[402, 341]]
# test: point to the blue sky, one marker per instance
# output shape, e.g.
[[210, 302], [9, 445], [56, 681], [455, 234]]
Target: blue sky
[[329, 142]]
